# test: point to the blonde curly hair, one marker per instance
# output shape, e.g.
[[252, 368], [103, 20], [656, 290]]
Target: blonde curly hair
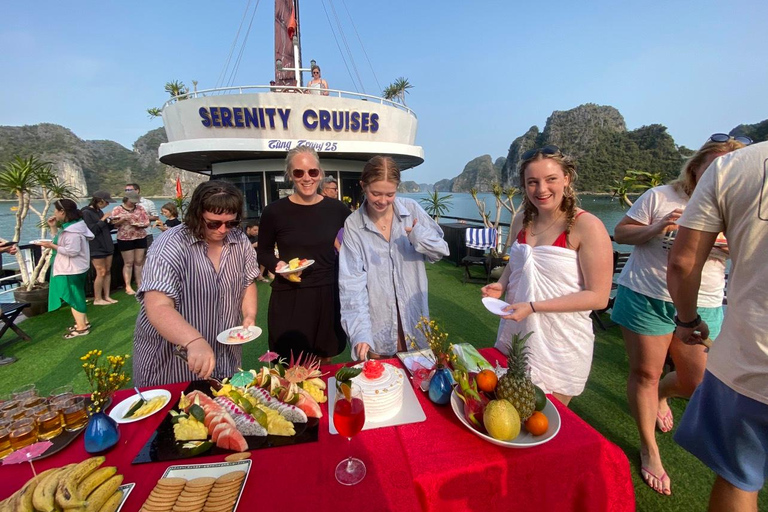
[[686, 180], [569, 203]]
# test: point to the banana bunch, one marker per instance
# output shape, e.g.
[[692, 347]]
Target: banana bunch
[[83, 487]]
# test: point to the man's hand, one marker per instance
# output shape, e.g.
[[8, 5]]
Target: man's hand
[[200, 358]]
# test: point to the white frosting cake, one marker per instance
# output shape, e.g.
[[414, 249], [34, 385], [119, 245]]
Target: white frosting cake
[[383, 396]]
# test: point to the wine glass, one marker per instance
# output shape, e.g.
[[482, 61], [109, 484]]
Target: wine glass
[[349, 418]]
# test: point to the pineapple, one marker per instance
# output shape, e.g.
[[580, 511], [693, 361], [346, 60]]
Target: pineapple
[[515, 385]]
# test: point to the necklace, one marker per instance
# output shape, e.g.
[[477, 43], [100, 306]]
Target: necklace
[[547, 228]]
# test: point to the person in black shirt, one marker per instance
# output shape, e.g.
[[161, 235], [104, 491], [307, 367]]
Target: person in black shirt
[[102, 247], [303, 316], [170, 212]]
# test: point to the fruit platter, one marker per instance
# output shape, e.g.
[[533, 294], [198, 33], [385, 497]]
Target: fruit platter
[[277, 405], [503, 406]]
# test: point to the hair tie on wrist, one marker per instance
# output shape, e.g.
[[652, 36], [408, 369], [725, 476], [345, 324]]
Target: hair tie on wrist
[[532, 308], [190, 342]]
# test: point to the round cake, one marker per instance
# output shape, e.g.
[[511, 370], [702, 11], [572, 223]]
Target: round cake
[[238, 335], [382, 394]]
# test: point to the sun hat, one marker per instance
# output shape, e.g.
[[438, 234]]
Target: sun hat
[[104, 196]]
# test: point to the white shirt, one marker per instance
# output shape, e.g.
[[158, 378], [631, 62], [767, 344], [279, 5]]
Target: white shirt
[[732, 197], [646, 269], [148, 205]]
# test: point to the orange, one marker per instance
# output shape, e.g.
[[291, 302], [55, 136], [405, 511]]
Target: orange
[[486, 381], [537, 424]]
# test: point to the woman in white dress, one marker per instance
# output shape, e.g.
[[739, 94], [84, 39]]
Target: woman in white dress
[[559, 270], [317, 85]]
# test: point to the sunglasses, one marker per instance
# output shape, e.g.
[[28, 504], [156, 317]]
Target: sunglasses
[[299, 173], [724, 137], [216, 224], [546, 150], [315, 72]]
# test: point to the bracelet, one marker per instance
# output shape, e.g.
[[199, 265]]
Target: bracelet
[[688, 325], [190, 342], [532, 308]]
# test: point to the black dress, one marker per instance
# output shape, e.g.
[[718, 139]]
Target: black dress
[[172, 223], [102, 245], [303, 317]]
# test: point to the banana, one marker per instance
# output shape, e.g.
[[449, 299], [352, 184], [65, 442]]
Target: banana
[[66, 492], [293, 277], [104, 492], [24, 495], [95, 479], [85, 468], [112, 503], [45, 492]]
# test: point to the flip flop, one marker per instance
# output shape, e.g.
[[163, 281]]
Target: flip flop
[[645, 473], [662, 420], [75, 333], [74, 327]]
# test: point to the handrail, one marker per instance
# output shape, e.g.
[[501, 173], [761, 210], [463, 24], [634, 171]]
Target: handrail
[[288, 89]]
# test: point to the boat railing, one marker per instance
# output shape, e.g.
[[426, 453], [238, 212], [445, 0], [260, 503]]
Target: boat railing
[[246, 89]]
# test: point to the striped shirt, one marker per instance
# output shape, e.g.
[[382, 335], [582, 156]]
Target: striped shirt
[[178, 266]]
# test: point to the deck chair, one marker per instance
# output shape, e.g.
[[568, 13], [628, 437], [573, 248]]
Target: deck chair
[[8, 317], [479, 239]]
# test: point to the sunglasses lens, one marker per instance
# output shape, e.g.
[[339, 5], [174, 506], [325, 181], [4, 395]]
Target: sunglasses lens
[[720, 137], [299, 173], [547, 150], [314, 173], [744, 140]]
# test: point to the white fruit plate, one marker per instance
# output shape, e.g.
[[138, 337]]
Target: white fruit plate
[[123, 407], [223, 336], [287, 270], [525, 439]]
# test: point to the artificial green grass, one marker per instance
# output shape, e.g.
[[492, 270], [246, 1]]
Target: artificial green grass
[[50, 361]]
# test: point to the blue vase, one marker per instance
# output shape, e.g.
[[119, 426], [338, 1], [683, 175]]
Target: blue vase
[[101, 434], [440, 385]]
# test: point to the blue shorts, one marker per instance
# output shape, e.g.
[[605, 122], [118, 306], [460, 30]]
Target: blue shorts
[[728, 432], [655, 317]]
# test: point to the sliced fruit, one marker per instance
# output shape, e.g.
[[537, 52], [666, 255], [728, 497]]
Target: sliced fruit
[[192, 448], [197, 412]]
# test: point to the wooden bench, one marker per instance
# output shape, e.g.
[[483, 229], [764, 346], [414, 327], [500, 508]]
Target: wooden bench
[[10, 312]]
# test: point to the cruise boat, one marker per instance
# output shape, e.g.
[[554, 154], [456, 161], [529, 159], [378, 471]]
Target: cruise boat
[[242, 134]]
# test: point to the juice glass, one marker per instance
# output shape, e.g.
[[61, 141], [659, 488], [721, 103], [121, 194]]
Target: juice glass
[[61, 392], [5, 437], [349, 418], [49, 422], [75, 416], [27, 391], [23, 433]]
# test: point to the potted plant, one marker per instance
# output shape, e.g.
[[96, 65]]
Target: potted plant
[[32, 179]]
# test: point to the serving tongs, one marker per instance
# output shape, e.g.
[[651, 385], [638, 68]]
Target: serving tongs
[[181, 353]]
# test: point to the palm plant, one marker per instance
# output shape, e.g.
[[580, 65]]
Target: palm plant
[[27, 179], [397, 90], [177, 90], [436, 205], [635, 182]]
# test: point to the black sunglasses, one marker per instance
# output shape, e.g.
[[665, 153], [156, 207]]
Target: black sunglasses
[[299, 173], [724, 137], [546, 150], [216, 224]]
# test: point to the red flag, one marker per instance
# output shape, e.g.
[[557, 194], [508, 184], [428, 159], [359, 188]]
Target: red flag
[[292, 23], [179, 194]]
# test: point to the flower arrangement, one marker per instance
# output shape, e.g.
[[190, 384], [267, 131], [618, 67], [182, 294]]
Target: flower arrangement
[[105, 377], [437, 339]]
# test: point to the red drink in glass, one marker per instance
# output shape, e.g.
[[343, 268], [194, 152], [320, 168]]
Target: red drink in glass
[[349, 416]]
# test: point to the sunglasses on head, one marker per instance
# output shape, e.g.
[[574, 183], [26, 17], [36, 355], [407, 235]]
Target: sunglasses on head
[[299, 173], [546, 150], [216, 224], [724, 137]]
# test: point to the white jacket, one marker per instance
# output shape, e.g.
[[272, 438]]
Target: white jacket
[[73, 255]]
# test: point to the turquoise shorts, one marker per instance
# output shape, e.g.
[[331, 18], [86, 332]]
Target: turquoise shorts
[[656, 317]]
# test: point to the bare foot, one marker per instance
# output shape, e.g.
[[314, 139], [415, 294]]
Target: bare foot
[[110, 300], [653, 473], [101, 303], [128, 291], [664, 419]]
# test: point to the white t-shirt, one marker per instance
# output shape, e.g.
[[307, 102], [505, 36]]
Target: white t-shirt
[[646, 269], [732, 196]]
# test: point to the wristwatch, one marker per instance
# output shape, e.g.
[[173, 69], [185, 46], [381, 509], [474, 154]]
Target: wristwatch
[[688, 325]]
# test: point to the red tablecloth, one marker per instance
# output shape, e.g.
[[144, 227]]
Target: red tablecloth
[[434, 465]]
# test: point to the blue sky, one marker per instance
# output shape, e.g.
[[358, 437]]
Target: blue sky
[[483, 72]]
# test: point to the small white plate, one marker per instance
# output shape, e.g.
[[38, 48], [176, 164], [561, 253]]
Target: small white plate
[[123, 407], [410, 412], [38, 240], [126, 488], [525, 439], [287, 270], [224, 335], [496, 306]]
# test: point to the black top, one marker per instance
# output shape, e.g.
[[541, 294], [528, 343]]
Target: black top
[[172, 223], [302, 231], [102, 245]]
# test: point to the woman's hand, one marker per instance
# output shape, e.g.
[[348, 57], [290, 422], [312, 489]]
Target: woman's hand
[[280, 265], [362, 351], [669, 221], [494, 290], [518, 311], [200, 358], [51, 221], [248, 322], [104, 217]]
